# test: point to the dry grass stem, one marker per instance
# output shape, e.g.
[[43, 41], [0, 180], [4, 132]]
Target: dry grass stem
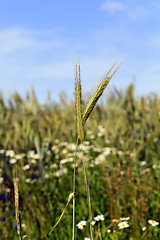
[[71, 195], [16, 197]]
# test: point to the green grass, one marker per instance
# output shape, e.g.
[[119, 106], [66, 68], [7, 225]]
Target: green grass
[[122, 157]]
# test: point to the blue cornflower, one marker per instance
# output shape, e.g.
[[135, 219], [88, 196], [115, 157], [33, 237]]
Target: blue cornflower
[[3, 196], [3, 219]]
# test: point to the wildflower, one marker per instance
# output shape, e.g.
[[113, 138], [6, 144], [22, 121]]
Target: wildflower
[[2, 151], [24, 226], [143, 229], [54, 147], [46, 176], [72, 146], [107, 151], [49, 152], [3, 196], [100, 134], [66, 160], [124, 219], [93, 223], [100, 159], [28, 180], [31, 153], [20, 156], [3, 219], [99, 218], [10, 153], [109, 230], [101, 129], [1, 180], [123, 225], [54, 165], [33, 161], [88, 132], [81, 224], [114, 220], [153, 223], [143, 163], [26, 167], [35, 156], [12, 160], [60, 172], [86, 143], [92, 136], [63, 144], [120, 153], [87, 239]]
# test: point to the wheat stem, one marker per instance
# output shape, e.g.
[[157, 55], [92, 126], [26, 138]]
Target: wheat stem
[[74, 190], [88, 192]]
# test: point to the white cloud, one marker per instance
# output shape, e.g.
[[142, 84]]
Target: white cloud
[[138, 14], [112, 6], [19, 39]]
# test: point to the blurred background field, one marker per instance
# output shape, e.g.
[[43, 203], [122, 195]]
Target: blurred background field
[[122, 156]]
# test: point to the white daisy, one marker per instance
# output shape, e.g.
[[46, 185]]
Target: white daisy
[[123, 225], [124, 219], [81, 224], [153, 223], [93, 223], [143, 229], [99, 218]]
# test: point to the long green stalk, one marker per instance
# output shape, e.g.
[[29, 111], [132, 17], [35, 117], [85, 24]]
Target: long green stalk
[[88, 193]]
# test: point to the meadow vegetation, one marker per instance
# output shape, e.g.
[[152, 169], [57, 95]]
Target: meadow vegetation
[[121, 151]]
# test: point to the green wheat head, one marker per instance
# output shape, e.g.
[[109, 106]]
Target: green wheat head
[[81, 119], [98, 93], [78, 94]]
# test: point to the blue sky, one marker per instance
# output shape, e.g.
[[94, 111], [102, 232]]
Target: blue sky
[[40, 41]]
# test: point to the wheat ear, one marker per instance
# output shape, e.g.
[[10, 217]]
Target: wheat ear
[[16, 198], [78, 94], [98, 93]]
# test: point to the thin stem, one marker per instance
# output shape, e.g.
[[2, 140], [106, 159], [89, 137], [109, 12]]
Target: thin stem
[[88, 192], [99, 231], [74, 190]]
